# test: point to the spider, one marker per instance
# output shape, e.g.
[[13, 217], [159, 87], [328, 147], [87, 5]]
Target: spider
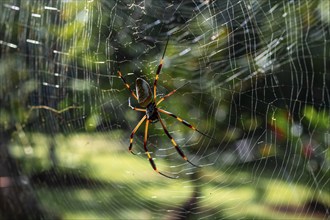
[[147, 100]]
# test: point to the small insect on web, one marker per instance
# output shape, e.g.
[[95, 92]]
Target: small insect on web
[[147, 100]]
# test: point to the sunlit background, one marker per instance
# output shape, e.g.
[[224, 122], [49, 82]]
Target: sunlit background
[[253, 76]]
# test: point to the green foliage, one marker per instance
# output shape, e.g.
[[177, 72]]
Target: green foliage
[[320, 120]]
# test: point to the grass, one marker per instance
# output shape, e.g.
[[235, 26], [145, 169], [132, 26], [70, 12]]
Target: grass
[[126, 187]]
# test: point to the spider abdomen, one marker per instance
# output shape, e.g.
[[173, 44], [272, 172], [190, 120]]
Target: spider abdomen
[[151, 112], [144, 94]]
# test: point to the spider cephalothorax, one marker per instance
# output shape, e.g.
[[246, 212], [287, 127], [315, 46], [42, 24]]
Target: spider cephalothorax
[[147, 100], [151, 112]]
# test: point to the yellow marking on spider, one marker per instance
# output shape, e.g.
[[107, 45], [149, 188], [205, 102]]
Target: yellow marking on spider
[[173, 141], [160, 100]]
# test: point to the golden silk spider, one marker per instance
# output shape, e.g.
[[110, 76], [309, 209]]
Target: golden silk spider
[[147, 100]]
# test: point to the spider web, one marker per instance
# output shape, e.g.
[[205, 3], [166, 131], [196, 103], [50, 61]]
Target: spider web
[[254, 75]]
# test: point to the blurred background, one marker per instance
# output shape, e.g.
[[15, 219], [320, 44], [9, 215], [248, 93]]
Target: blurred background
[[254, 75]]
